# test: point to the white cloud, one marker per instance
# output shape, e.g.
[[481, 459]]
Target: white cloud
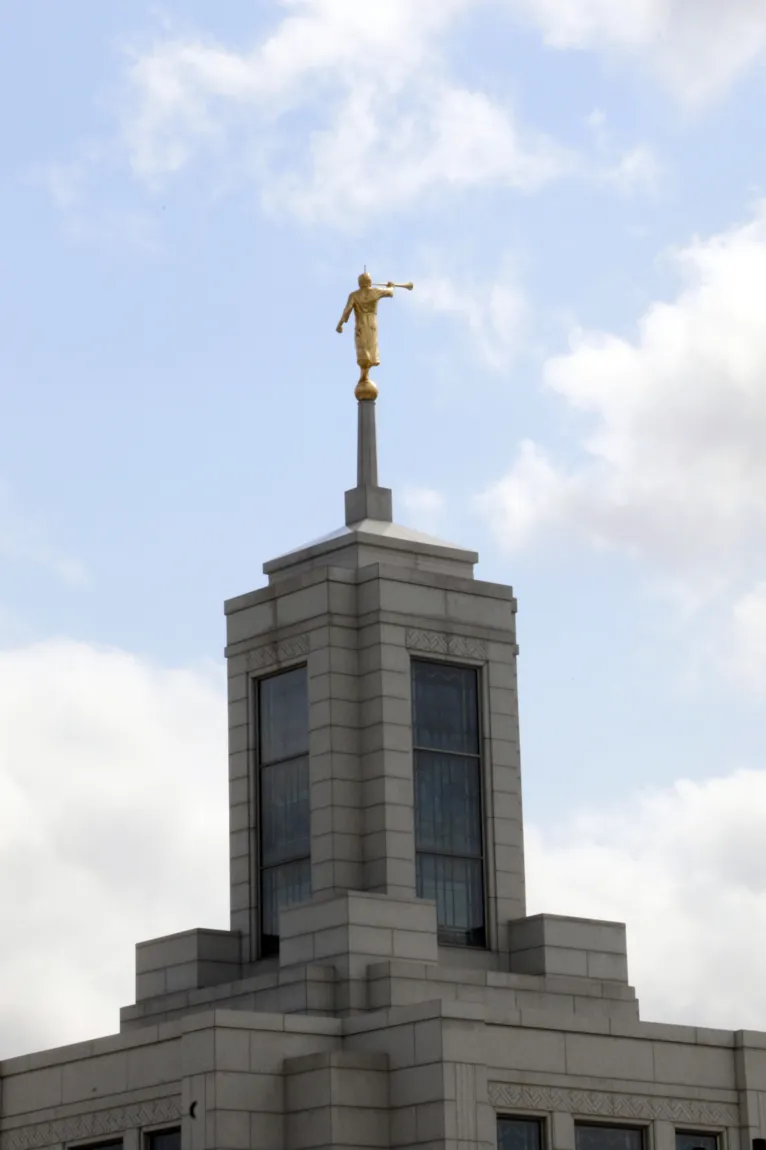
[[745, 652], [533, 498], [186, 91], [375, 157], [672, 426], [345, 111], [686, 869], [493, 312], [113, 829], [696, 47], [424, 507], [636, 170]]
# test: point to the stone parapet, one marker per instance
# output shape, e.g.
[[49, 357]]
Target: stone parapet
[[353, 930], [399, 984], [299, 990], [356, 928], [187, 961], [548, 944]]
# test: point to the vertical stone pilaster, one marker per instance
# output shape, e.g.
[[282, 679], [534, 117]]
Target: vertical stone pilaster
[[562, 1132], [194, 1126], [748, 1067], [386, 755], [506, 887], [243, 901], [197, 1094], [337, 1101], [334, 763], [663, 1135], [474, 1118]]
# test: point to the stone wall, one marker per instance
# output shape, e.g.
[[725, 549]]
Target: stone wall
[[357, 632], [428, 1076]]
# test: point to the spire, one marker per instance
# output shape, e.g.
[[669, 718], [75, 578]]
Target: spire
[[367, 500]]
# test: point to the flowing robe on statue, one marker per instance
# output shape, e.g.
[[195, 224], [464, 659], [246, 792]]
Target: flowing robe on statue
[[364, 304]]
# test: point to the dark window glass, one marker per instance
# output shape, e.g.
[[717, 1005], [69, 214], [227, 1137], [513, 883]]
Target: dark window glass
[[283, 716], [282, 886], [164, 1140], [110, 1145], [456, 886], [519, 1134], [285, 799], [448, 819], [448, 804], [445, 708], [608, 1138], [687, 1141], [283, 743]]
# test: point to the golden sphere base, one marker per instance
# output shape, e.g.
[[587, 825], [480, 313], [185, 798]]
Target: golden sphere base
[[366, 389]]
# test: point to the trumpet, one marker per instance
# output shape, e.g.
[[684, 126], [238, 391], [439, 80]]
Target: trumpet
[[409, 286]]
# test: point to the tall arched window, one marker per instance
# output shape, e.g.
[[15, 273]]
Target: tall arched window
[[284, 822], [448, 802]]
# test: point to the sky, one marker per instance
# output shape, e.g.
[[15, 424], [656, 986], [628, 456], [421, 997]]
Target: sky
[[575, 388]]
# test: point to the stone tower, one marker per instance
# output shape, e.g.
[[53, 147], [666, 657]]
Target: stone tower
[[375, 794], [359, 643]]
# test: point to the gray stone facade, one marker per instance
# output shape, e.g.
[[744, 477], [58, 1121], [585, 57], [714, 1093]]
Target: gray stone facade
[[356, 628], [365, 1031]]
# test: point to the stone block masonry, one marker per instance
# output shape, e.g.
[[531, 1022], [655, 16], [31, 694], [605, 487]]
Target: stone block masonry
[[358, 631], [552, 944], [353, 931], [337, 1100], [186, 961]]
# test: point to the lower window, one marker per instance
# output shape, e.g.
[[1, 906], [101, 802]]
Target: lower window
[[164, 1140], [519, 1134], [688, 1140], [281, 886], [597, 1137]]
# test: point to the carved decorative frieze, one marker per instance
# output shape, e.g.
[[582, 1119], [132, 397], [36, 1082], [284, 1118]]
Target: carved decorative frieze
[[437, 643], [98, 1124], [605, 1104], [282, 652]]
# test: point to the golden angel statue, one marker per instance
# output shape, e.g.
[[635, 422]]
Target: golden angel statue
[[364, 304]]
